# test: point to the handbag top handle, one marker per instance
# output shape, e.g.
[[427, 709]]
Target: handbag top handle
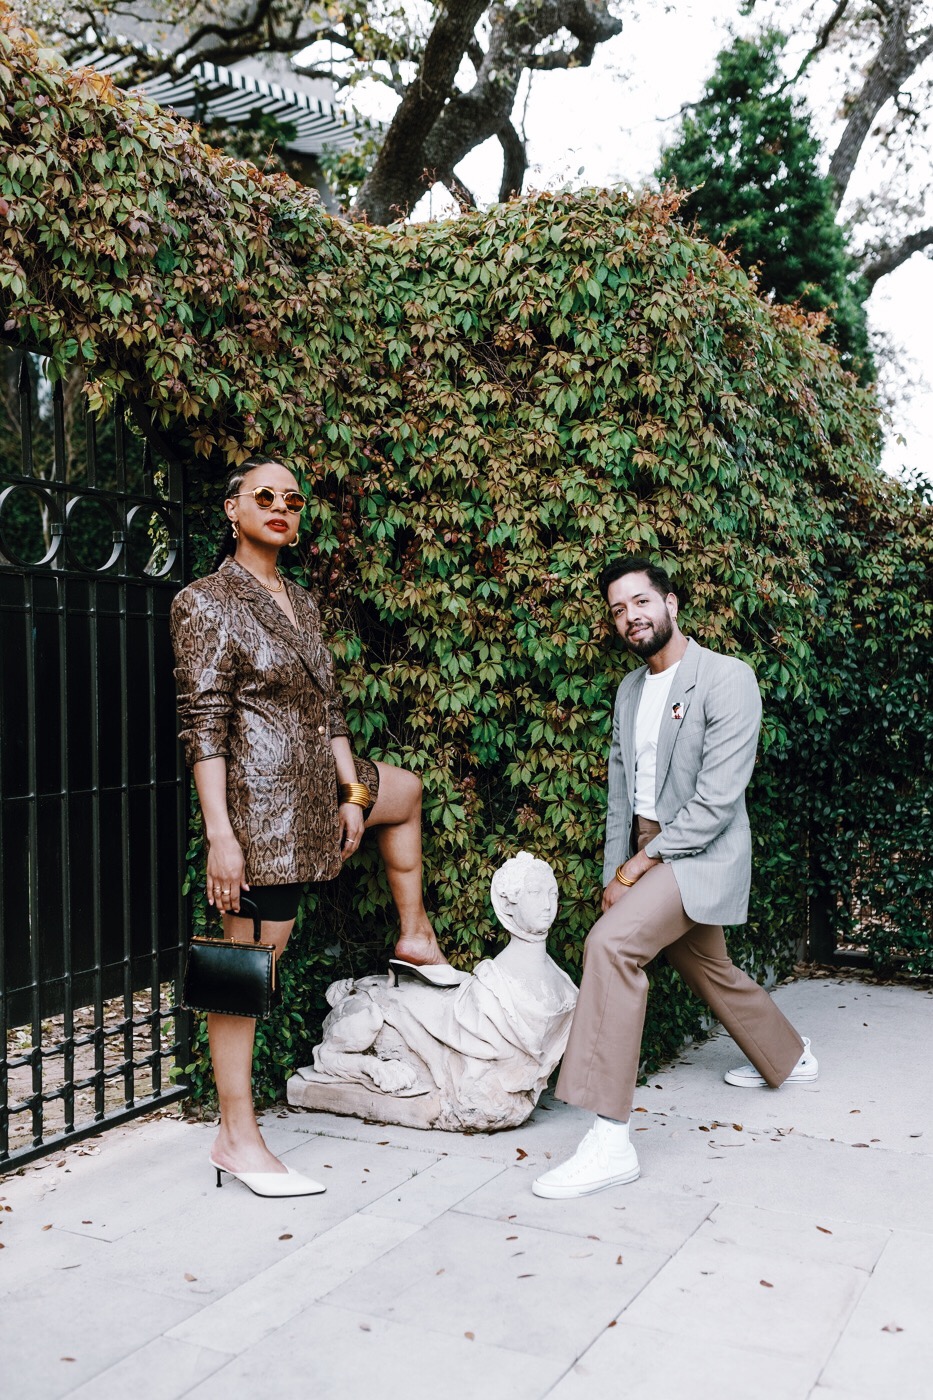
[[255, 916], [257, 921]]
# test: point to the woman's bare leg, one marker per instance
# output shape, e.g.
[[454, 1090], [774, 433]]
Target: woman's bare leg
[[239, 1145], [396, 818]]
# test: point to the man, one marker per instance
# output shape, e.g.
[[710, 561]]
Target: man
[[677, 867]]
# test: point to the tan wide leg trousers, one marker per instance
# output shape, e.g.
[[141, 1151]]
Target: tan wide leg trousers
[[600, 1065]]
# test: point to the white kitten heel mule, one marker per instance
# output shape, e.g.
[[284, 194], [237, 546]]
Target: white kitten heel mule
[[431, 974], [274, 1185]]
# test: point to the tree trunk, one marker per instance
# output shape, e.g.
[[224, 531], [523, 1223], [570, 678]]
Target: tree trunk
[[436, 125], [397, 181]]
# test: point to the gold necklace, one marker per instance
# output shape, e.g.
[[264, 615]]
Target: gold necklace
[[269, 587]]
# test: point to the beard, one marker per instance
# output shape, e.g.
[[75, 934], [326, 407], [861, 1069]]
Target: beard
[[658, 637]]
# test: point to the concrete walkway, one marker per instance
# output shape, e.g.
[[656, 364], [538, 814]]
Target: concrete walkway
[[779, 1245]]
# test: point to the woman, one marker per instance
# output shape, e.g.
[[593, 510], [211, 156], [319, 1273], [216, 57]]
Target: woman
[[283, 799]]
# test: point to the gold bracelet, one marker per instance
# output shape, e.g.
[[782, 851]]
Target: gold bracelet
[[357, 793], [623, 879]]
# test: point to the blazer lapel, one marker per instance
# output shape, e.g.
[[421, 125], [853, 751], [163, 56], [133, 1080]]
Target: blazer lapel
[[305, 639], [314, 653], [681, 693], [627, 712]]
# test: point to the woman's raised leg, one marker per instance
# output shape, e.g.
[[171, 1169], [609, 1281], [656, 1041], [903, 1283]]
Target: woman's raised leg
[[396, 818]]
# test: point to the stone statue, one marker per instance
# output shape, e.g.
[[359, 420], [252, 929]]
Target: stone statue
[[474, 1057]]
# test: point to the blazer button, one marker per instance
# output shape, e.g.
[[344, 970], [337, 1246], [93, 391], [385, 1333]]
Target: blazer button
[[321, 729]]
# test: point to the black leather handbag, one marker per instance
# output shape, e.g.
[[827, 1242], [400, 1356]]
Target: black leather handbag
[[231, 977]]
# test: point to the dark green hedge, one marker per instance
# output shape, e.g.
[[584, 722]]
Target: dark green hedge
[[484, 410]]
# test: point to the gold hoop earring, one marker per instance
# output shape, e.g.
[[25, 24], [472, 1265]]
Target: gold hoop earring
[[236, 533]]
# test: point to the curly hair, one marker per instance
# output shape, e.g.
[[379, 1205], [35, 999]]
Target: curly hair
[[509, 880]]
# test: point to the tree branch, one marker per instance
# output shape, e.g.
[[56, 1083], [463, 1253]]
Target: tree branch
[[474, 52], [485, 111], [822, 38], [515, 161], [882, 260], [265, 31], [894, 63], [464, 197], [561, 59]]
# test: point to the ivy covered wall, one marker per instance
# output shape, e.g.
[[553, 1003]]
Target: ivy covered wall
[[484, 411]]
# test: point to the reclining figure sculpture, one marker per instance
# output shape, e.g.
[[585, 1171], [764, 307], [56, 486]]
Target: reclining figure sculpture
[[474, 1057]]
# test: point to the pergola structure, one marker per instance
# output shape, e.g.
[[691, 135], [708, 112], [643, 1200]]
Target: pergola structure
[[209, 92]]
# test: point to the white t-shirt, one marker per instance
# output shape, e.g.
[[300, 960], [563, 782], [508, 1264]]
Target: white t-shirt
[[654, 698]]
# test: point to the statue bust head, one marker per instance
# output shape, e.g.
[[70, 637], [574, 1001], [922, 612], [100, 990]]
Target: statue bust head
[[524, 896]]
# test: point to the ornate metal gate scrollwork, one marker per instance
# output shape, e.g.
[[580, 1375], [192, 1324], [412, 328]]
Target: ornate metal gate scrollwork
[[92, 792]]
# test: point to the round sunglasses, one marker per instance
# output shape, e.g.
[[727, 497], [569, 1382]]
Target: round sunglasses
[[265, 497]]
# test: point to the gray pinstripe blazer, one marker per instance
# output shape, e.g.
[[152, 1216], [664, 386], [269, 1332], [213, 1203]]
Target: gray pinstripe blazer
[[705, 760]]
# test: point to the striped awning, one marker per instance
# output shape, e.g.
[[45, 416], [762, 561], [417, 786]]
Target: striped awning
[[208, 92]]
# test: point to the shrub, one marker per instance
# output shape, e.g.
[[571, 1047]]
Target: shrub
[[483, 411]]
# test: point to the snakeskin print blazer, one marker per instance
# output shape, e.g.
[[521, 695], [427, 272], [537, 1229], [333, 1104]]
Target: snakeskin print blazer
[[260, 693]]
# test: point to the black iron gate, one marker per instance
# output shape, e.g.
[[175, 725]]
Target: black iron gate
[[92, 792]]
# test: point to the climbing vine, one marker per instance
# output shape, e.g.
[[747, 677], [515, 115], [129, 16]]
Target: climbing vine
[[484, 411]]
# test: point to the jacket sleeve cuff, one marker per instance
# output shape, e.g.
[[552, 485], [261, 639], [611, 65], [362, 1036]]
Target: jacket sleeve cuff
[[336, 721], [614, 856], [196, 751], [201, 755]]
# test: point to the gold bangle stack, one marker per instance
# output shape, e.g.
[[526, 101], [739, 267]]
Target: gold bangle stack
[[357, 793], [623, 879]]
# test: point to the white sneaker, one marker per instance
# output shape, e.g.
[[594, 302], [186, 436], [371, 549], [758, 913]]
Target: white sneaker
[[604, 1158], [804, 1072]]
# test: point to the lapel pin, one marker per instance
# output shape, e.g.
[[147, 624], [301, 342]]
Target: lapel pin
[[677, 710]]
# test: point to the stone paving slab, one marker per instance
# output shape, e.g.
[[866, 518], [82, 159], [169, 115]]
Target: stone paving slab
[[444, 1186], [637, 1216], [888, 1347], [725, 1292], [795, 1173], [511, 1286], [331, 1353], [807, 1239], [636, 1363], [256, 1309], [429, 1269], [60, 1333], [860, 1033], [161, 1370]]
